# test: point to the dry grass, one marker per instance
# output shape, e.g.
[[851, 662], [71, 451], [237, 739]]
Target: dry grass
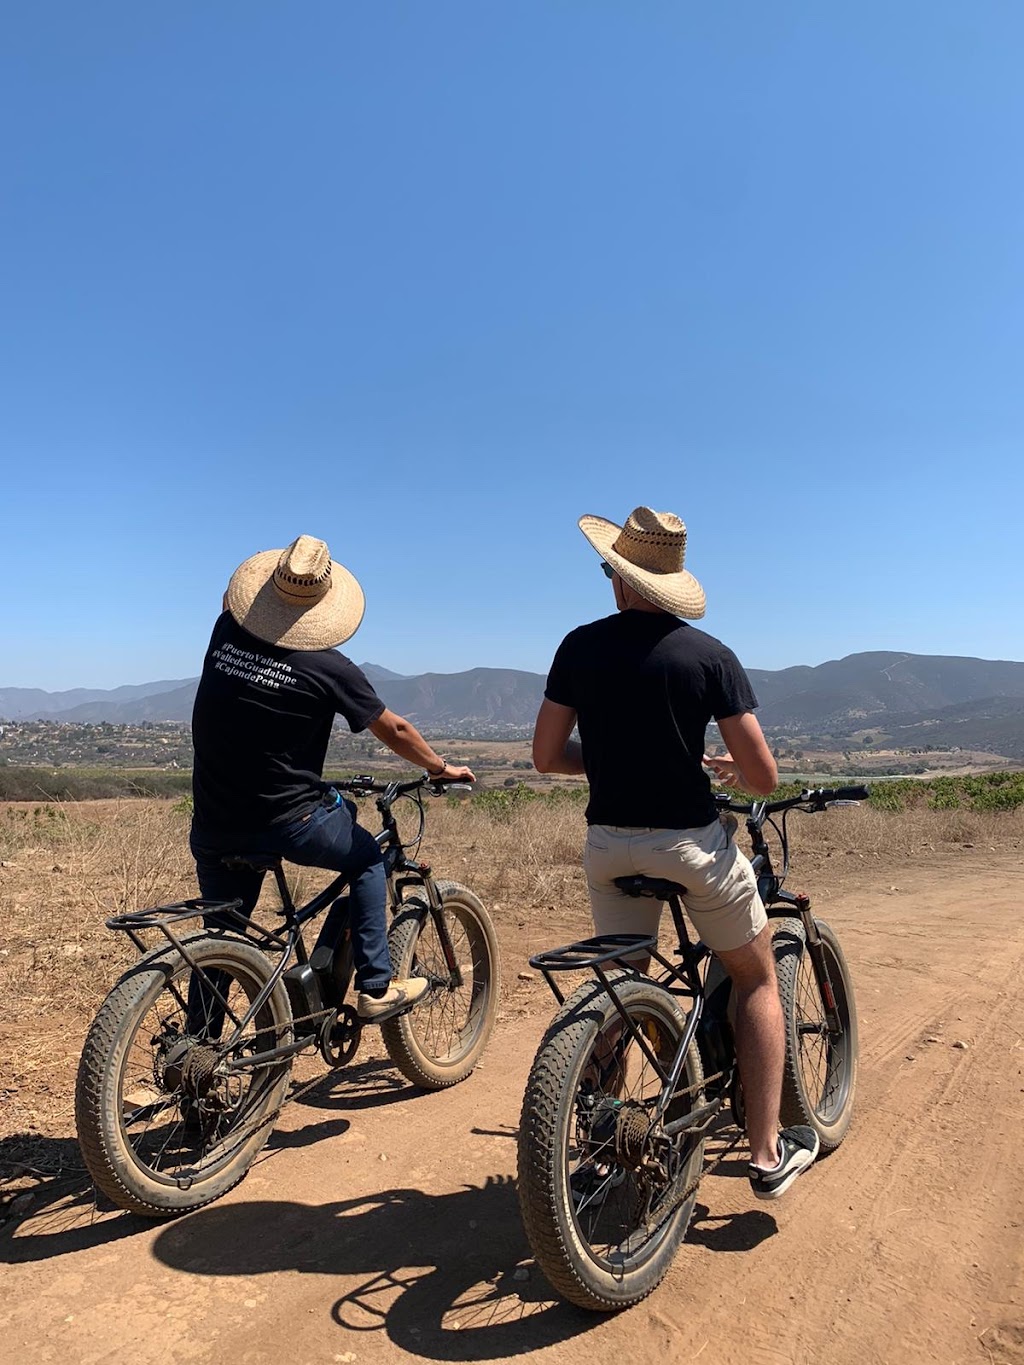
[[63, 869]]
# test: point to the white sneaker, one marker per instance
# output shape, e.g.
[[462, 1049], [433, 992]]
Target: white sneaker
[[798, 1146], [399, 996]]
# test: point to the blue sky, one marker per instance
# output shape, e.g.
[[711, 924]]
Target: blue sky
[[432, 280]]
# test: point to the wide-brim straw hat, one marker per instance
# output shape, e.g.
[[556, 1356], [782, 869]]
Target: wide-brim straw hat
[[297, 598], [647, 553]]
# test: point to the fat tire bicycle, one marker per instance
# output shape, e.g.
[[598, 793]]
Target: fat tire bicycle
[[171, 1116], [627, 1081]]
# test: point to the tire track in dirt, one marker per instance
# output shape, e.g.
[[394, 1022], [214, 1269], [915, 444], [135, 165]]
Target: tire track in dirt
[[940, 1201], [885, 1285]]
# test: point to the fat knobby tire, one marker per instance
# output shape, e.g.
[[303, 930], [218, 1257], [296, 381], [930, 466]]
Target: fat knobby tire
[[544, 1132], [108, 1157], [799, 1107], [404, 1047]]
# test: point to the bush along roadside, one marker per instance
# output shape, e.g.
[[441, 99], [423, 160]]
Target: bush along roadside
[[983, 793], [89, 784], [986, 792], [1003, 791]]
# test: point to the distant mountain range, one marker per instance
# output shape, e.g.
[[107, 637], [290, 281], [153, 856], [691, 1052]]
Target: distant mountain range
[[31, 703], [908, 700]]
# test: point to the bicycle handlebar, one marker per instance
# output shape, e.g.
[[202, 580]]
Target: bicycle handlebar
[[815, 799], [365, 785]]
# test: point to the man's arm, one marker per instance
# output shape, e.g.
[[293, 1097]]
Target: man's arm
[[553, 750], [749, 763], [402, 738]]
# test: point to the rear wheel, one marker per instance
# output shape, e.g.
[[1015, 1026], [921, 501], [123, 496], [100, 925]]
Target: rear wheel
[[606, 1195], [821, 1066], [164, 1123], [439, 1041]]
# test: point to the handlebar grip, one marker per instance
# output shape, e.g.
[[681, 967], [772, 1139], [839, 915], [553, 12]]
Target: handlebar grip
[[846, 793]]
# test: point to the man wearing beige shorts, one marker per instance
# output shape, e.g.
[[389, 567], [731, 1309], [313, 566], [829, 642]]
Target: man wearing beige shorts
[[642, 686]]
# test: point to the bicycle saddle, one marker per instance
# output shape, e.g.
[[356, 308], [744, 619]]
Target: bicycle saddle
[[657, 887], [256, 862]]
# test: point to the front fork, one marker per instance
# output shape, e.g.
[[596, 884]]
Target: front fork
[[815, 948], [422, 878]]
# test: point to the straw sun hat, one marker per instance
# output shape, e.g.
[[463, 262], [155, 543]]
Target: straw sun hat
[[647, 553], [298, 597]]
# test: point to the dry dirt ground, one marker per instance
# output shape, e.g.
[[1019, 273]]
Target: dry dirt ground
[[381, 1224]]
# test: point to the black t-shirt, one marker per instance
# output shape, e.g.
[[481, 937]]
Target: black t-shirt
[[260, 726], [644, 686]]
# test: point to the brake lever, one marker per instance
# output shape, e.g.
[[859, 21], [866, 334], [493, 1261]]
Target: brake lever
[[443, 788]]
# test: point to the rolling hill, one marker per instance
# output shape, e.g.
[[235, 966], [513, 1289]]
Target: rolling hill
[[906, 700]]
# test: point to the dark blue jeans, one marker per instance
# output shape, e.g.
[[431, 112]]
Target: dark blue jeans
[[328, 838]]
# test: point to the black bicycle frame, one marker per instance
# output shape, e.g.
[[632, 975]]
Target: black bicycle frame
[[595, 953], [221, 916]]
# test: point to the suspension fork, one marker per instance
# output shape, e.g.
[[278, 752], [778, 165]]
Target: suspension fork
[[425, 878], [816, 950]]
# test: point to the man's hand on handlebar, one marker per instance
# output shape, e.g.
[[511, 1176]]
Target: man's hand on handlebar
[[454, 773], [450, 773]]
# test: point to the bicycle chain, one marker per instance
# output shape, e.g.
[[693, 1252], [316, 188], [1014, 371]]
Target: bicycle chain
[[319, 1017], [705, 1171], [244, 1131], [684, 1194], [294, 1093]]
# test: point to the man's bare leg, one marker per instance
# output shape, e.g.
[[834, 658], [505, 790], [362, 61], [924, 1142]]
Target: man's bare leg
[[760, 1042]]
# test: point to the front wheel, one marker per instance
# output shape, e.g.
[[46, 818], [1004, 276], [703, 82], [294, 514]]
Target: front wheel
[[821, 1065], [439, 1041], [170, 1116], [606, 1194]]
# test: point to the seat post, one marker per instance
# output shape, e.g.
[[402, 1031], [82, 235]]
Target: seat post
[[287, 904], [682, 933]]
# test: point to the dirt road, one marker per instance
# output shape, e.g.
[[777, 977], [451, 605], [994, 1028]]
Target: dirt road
[[382, 1225]]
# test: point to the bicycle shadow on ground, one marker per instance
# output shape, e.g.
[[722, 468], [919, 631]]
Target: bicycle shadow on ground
[[437, 1271], [730, 1231], [726, 1154], [48, 1205], [367, 1085]]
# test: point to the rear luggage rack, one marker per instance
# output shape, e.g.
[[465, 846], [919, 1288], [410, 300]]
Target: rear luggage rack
[[228, 916], [591, 952]]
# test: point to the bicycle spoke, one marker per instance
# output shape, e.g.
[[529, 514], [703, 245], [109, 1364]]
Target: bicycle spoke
[[171, 1127], [446, 1014], [612, 1203], [822, 1057]]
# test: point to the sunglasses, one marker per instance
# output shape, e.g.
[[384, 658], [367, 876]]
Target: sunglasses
[[607, 570]]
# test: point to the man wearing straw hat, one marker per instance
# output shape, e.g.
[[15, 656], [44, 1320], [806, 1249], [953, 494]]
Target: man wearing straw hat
[[642, 686], [271, 686]]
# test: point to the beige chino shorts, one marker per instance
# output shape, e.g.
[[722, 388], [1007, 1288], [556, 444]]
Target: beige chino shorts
[[721, 890]]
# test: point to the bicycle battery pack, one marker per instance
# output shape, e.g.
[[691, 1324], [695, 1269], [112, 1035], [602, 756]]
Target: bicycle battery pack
[[304, 996], [715, 1030]]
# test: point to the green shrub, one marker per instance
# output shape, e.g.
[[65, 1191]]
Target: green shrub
[[945, 793], [500, 802], [567, 796], [1007, 794], [23, 783], [889, 796]]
